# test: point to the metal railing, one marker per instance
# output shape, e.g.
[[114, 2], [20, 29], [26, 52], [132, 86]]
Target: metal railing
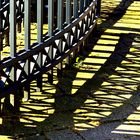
[[4, 19], [67, 30]]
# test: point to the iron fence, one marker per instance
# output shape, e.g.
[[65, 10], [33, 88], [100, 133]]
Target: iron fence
[[70, 22]]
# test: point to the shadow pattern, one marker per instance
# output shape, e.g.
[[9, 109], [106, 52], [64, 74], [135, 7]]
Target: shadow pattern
[[112, 88]]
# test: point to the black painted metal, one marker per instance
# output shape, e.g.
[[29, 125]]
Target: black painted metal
[[75, 21]]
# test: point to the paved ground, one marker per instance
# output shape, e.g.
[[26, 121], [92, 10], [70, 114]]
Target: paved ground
[[96, 99]]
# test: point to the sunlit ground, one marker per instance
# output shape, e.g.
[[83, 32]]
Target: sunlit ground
[[98, 98]]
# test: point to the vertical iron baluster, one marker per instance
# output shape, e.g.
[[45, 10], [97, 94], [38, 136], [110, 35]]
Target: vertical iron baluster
[[27, 45], [68, 20], [87, 16], [12, 28], [50, 17], [27, 24], [39, 39], [60, 14], [75, 15], [75, 12], [50, 33], [39, 21], [68, 11], [14, 96], [82, 8], [60, 26], [13, 35]]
